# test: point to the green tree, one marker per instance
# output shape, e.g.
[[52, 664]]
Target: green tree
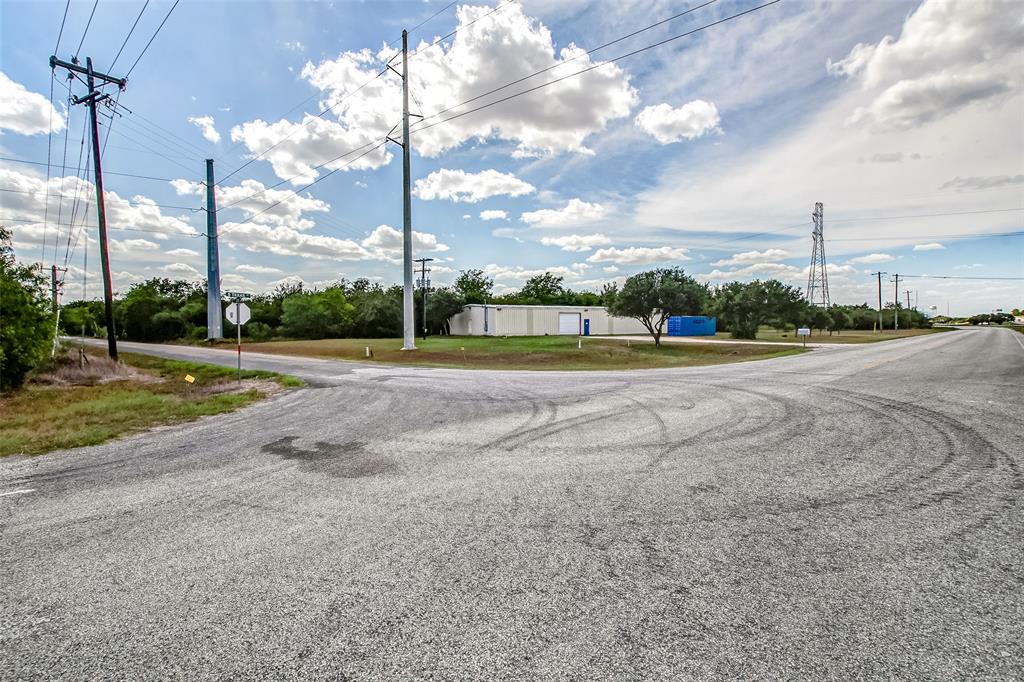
[[840, 317], [742, 307], [318, 314], [442, 304], [653, 296], [474, 286], [26, 323], [543, 289]]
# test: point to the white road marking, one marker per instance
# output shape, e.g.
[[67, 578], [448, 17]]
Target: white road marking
[[23, 491], [1017, 336]]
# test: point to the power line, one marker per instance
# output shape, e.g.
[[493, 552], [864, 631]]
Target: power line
[[194, 209], [86, 31], [151, 39], [128, 229], [130, 31], [591, 68], [60, 34], [49, 144], [962, 235], [512, 83], [318, 179], [287, 137], [578, 57], [105, 172], [431, 17], [999, 279], [923, 215], [497, 7]]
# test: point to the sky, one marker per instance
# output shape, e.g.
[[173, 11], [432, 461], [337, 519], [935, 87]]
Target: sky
[[706, 152]]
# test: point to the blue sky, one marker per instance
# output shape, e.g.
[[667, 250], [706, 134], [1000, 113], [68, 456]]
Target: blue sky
[[707, 152]]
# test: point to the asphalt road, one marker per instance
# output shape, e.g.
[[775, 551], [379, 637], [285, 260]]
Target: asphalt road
[[850, 512]]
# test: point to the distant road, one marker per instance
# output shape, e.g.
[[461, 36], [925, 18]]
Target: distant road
[[851, 512]]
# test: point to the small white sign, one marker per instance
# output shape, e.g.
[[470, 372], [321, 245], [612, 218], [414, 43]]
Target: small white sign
[[238, 313], [803, 331]]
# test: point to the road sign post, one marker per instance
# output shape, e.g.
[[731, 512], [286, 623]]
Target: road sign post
[[238, 314]]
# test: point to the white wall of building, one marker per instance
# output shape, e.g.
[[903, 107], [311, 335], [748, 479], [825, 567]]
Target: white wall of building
[[538, 320]]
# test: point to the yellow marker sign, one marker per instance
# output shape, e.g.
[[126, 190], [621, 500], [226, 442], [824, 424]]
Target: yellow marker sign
[[190, 379]]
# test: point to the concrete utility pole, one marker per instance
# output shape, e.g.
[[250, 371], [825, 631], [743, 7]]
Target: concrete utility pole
[[91, 99], [425, 285], [880, 273], [896, 305], [408, 331], [214, 317]]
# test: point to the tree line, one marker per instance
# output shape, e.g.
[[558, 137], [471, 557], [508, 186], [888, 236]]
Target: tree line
[[164, 310]]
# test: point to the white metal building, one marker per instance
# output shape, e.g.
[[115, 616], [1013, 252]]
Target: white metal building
[[540, 320]]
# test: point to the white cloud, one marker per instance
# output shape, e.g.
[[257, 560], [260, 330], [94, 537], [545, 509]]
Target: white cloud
[[493, 215], [983, 182], [25, 112], [575, 212], [124, 216], [205, 124], [132, 245], [179, 253], [871, 258], [294, 45], [278, 206], [638, 255], [517, 273], [182, 270], [688, 122], [610, 268], [949, 55], [753, 257], [489, 50], [931, 246], [506, 233], [460, 186], [386, 242], [576, 242], [258, 269]]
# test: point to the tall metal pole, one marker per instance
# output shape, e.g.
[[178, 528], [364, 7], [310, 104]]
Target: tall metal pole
[[101, 210], [408, 322], [214, 316], [896, 306]]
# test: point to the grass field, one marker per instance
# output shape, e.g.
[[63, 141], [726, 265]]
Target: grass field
[[70, 407], [523, 352], [849, 336]]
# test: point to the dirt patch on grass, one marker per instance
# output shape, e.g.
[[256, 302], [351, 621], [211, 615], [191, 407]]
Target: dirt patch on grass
[[73, 368]]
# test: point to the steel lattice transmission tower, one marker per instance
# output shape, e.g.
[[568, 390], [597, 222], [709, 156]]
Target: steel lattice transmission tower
[[817, 278]]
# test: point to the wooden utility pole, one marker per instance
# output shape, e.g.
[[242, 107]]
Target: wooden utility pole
[[880, 273], [425, 286], [91, 99], [896, 305]]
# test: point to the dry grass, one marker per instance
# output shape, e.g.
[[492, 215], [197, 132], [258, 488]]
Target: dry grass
[[848, 336], [524, 352], [87, 403]]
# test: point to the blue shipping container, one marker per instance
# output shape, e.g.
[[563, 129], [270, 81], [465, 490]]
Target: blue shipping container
[[692, 325]]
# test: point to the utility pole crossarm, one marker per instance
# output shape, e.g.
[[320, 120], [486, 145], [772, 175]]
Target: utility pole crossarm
[[119, 82]]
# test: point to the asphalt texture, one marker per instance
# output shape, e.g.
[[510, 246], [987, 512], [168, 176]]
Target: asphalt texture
[[853, 512]]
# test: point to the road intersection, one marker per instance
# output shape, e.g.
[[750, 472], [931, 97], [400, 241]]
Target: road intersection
[[850, 512]]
